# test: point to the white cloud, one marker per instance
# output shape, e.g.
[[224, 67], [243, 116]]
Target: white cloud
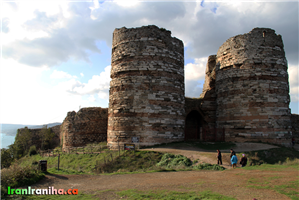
[[69, 86], [194, 77], [81, 74], [60, 74], [41, 35], [202, 28], [104, 94], [91, 98], [293, 71], [98, 83], [193, 88], [196, 71], [127, 3], [26, 99], [44, 34]]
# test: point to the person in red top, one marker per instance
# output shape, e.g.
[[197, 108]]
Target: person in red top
[[293, 141], [243, 161]]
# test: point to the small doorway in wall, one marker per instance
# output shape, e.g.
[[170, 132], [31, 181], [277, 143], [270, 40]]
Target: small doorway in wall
[[193, 125]]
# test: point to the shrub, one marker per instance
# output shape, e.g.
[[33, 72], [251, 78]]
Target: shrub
[[32, 150], [6, 158], [16, 176], [170, 161], [3, 191], [207, 166]]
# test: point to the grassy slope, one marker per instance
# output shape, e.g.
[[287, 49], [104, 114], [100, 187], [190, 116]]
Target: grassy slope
[[271, 156], [77, 164]]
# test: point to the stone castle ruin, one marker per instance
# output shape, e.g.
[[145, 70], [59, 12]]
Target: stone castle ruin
[[147, 90], [245, 95], [247, 89], [88, 125]]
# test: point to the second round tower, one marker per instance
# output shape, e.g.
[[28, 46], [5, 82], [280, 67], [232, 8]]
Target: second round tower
[[252, 88]]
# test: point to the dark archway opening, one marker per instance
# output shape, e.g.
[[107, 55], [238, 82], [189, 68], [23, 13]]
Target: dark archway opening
[[192, 125]]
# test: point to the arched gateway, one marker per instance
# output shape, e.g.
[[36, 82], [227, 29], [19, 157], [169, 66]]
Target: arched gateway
[[193, 124]]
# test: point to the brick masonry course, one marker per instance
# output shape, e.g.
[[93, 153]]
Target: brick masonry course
[[88, 125], [147, 91], [252, 85]]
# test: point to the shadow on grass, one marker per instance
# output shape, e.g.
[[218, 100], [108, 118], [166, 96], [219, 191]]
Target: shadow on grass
[[56, 176], [193, 145], [272, 156]]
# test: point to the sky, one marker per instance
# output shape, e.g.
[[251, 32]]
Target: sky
[[56, 55]]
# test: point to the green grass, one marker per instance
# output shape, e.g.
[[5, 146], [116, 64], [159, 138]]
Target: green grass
[[139, 161], [54, 170], [108, 162], [170, 195], [54, 197], [149, 161], [134, 195], [207, 166], [73, 163], [274, 177], [289, 189], [271, 156], [271, 167]]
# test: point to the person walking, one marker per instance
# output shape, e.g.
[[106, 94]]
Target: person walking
[[219, 157], [293, 141], [243, 161], [232, 152], [234, 161]]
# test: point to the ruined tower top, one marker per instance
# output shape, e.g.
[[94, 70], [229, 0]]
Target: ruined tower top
[[145, 41], [260, 45], [150, 32]]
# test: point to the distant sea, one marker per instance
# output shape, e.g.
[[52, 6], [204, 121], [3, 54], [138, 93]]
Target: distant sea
[[6, 140]]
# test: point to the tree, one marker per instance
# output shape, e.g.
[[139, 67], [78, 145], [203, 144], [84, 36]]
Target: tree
[[6, 158], [22, 143], [46, 135]]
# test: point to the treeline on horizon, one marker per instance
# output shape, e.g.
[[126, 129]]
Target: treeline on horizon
[[24, 144], [11, 129]]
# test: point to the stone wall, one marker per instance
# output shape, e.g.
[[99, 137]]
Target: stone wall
[[37, 138], [208, 94], [295, 125], [147, 91], [252, 88], [88, 125]]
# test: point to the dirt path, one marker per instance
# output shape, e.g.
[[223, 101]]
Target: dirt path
[[231, 182], [207, 156]]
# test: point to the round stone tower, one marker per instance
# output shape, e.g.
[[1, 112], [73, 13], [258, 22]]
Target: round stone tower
[[147, 91], [252, 88]]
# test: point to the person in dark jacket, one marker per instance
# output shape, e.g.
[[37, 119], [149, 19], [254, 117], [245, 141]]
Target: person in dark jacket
[[243, 161], [219, 157], [232, 152]]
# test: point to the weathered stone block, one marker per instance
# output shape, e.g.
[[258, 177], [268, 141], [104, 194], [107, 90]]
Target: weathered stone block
[[157, 69], [88, 125]]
